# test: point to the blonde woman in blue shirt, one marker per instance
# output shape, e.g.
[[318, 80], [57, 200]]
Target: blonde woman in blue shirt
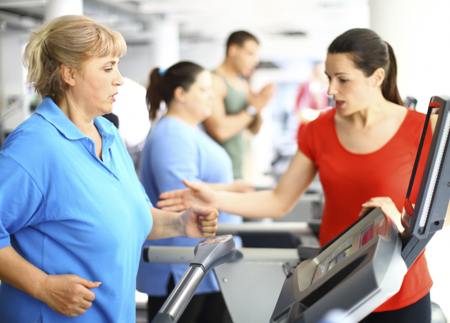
[[73, 215]]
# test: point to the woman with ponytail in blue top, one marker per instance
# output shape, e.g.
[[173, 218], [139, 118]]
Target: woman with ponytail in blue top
[[177, 149]]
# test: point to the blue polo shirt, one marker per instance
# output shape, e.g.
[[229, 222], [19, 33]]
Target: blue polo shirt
[[68, 212]]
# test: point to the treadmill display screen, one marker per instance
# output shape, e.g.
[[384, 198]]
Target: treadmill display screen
[[346, 250], [333, 260], [340, 256]]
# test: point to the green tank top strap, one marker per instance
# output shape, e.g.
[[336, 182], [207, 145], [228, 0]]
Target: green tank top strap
[[235, 101]]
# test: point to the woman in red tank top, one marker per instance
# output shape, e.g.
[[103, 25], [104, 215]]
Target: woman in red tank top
[[363, 150]]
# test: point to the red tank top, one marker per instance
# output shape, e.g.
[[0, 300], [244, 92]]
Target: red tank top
[[349, 179]]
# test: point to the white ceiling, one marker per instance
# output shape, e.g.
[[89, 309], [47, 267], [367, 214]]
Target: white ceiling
[[206, 19], [287, 28]]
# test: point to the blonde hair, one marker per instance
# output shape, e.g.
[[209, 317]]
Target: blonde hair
[[68, 40]]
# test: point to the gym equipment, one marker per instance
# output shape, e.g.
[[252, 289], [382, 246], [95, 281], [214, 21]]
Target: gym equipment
[[207, 254], [355, 273]]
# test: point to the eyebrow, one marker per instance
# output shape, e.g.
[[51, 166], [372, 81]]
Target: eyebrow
[[112, 62], [337, 74]]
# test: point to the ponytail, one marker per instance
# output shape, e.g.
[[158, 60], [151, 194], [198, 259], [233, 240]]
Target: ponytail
[[154, 93], [43, 69], [389, 87], [163, 83]]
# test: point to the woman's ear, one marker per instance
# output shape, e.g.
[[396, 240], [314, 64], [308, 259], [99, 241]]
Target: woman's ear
[[378, 76], [179, 94], [67, 74]]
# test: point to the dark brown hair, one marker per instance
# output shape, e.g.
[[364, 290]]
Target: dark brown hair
[[370, 52], [239, 38], [163, 83]]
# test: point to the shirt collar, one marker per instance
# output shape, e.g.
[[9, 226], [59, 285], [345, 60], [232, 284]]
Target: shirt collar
[[54, 115], [106, 130]]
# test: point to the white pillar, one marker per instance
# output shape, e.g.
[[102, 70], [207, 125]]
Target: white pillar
[[165, 41], [57, 8], [419, 32]]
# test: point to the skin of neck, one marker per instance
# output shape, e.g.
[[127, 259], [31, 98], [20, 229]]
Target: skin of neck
[[366, 117], [178, 111], [228, 69], [76, 112]]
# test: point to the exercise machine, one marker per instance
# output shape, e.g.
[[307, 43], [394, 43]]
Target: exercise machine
[[356, 272]]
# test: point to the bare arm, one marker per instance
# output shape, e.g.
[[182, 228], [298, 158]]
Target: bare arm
[[19, 273], [238, 186], [196, 222], [260, 99], [165, 225], [69, 295], [275, 203], [220, 125], [255, 126]]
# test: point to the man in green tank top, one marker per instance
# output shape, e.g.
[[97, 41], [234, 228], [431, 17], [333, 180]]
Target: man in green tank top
[[236, 107]]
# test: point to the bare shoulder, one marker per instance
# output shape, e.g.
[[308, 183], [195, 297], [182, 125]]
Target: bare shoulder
[[397, 112], [218, 84]]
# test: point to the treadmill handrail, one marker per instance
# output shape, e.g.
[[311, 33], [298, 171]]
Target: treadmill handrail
[[207, 253], [265, 227], [179, 298], [432, 202], [185, 255]]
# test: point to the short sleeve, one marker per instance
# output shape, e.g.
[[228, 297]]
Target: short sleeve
[[173, 161], [305, 140], [20, 199]]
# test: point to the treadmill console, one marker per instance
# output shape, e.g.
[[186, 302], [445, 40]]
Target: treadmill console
[[360, 266], [348, 247]]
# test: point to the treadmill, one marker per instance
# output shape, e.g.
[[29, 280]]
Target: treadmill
[[242, 273], [355, 273], [365, 265]]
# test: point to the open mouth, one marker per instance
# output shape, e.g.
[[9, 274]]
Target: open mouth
[[339, 103]]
